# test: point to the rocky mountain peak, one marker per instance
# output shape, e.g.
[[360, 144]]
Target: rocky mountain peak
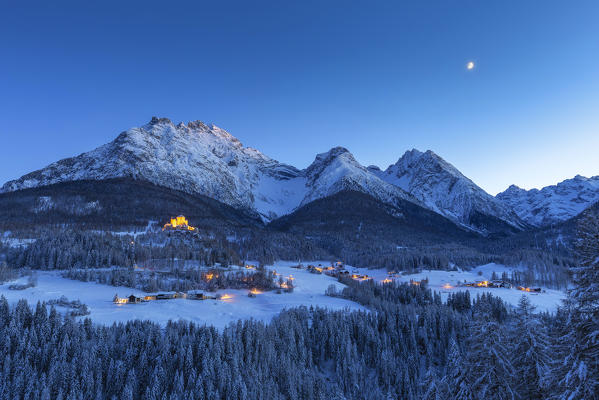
[[198, 126], [191, 132], [512, 190], [333, 153], [443, 188], [155, 121], [338, 156]]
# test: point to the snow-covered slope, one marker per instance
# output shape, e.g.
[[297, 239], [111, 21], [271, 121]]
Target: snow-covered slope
[[192, 157], [442, 188], [552, 203]]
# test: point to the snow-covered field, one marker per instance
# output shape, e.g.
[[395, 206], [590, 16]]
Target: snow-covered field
[[446, 282], [309, 291]]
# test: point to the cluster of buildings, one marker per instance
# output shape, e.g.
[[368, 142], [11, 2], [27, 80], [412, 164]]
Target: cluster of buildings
[[498, 283], [335, 270], [489, 284], [133, 299]]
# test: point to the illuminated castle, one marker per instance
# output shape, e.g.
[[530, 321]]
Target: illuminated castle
[[179, 223]]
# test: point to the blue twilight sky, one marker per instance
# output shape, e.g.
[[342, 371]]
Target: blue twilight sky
[[297, 78]]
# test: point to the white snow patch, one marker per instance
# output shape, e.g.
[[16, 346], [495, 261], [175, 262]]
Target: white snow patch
[[16, 242], [274, 197]]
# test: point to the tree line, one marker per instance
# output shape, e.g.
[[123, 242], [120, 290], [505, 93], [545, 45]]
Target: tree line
[[60, 248]]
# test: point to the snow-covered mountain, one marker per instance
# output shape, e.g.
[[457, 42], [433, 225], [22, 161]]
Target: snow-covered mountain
[[554, 203], [207, 160], [194, 157], [439, 186], [338, 170]]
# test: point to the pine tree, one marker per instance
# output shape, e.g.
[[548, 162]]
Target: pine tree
[[432, 388], [579, 377], [530, 354], [488, 360], [456, 375]]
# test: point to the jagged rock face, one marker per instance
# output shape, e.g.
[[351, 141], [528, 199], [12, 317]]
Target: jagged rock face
[[440, 187], [554, 203]]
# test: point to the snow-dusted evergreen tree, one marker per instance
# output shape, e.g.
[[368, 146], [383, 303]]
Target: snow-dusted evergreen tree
[[488, 358], [456, 375], [530, 356], [433, 388], [579, 374], [559, 333]]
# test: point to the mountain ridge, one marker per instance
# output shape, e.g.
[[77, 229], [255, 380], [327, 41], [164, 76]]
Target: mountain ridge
[[553, 203], [203, 159]]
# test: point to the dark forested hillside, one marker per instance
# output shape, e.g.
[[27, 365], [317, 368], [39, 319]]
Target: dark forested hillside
[[114, 204], [364, 231], [361, 216], [351, 226]]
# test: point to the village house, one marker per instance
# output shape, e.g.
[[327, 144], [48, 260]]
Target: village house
[[201, 296], [499, 283], [314, 270], [134, 299], [120, 300]]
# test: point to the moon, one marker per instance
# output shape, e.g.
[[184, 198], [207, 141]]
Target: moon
[[470, 65]]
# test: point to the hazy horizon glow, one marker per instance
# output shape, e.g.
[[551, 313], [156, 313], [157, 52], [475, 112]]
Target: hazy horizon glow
[[295, 79]]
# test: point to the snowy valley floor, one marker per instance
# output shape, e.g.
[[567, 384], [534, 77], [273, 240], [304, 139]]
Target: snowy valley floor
[[439, 281], [309, 291]]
